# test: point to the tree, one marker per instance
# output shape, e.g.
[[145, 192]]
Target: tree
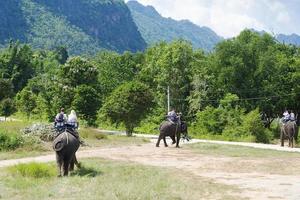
[[86, 103], [169, 65], [128, 104], [78, 71], [16, 64], [115, 69], [7, 107], [6, 88], [26, 101]]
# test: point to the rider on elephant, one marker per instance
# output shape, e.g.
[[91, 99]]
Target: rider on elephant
[[286, 116], [60, 119], [172, 116]]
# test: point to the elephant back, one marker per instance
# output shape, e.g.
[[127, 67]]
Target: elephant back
[[167, 127], [289, 128], [63, 140]]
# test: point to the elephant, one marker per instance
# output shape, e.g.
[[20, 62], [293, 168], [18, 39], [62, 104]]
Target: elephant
[[172, 129], [65, 146], [288, 130]]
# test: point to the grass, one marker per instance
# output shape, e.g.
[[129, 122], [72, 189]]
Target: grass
[[102, 179], [238, 151], [94, 138], [33, 170]]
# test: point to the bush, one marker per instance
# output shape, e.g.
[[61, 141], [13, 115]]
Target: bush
[[33, 170], [9, 141], [231, 123], [253, 125]]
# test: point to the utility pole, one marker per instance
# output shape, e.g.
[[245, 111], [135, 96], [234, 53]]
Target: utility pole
[[168, 98]]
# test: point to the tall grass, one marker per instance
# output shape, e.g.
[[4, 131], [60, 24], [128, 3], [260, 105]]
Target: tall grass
[[33, 170]]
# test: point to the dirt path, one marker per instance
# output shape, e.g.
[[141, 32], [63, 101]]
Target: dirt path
[[247, 174]]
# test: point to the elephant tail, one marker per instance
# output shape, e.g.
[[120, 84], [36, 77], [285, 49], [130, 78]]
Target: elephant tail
[[58, 145]]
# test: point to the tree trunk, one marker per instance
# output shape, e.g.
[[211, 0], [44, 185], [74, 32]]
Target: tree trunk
[[129, 131]]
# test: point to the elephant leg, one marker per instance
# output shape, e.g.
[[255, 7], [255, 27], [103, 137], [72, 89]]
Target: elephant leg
[[173, 139], [164, 138], [66, 164], [158, 140], [59, 162], [282, 139], [178, 139], [71, 166]]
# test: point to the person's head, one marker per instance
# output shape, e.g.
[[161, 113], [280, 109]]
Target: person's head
[[73, 112], [62, 110]]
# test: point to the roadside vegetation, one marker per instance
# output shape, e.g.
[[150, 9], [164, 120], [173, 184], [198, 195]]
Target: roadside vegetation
[[16, 143]]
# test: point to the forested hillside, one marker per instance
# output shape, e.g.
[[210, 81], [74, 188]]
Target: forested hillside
[[83, 26], [233, 93], [155, 28]]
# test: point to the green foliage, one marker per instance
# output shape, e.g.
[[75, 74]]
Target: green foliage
[[6, 88], [115, 69], [78, 71], [86, 103], [128, 104], [26, 101], [253, 125], [9, 140], [169, 65], [33, 170], [7, 107], [231, 122], [16, 64]]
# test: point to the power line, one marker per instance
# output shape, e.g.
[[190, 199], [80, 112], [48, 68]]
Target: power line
[[245, 99]]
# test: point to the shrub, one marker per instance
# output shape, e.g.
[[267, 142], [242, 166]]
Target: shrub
[[253, 125], [9, 141], [33, 170]]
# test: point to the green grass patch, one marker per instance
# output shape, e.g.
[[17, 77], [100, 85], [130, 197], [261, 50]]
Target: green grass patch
[[102, 179], [238, 151], [224, 138], [13, 126], [91, 133], [33, 170]]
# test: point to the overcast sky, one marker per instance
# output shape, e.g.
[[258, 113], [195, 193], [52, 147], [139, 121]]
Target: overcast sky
[[228, 17]]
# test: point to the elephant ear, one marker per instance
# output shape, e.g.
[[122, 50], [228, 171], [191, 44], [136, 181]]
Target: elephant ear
[[58, 145]]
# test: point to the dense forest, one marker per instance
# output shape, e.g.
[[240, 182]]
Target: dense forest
[[234, 92]]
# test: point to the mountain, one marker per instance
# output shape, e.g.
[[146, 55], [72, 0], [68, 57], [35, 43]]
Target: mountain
[[289, 39], [83, 26], [155, 28]]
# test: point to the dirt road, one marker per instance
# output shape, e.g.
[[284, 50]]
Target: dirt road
[[250, 175]]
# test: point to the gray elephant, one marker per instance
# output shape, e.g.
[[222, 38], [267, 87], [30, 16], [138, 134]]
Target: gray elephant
[[65, 146], [172, 130], [288, 130]]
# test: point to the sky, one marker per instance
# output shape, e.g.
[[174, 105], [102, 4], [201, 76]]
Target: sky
[[229, 17]]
